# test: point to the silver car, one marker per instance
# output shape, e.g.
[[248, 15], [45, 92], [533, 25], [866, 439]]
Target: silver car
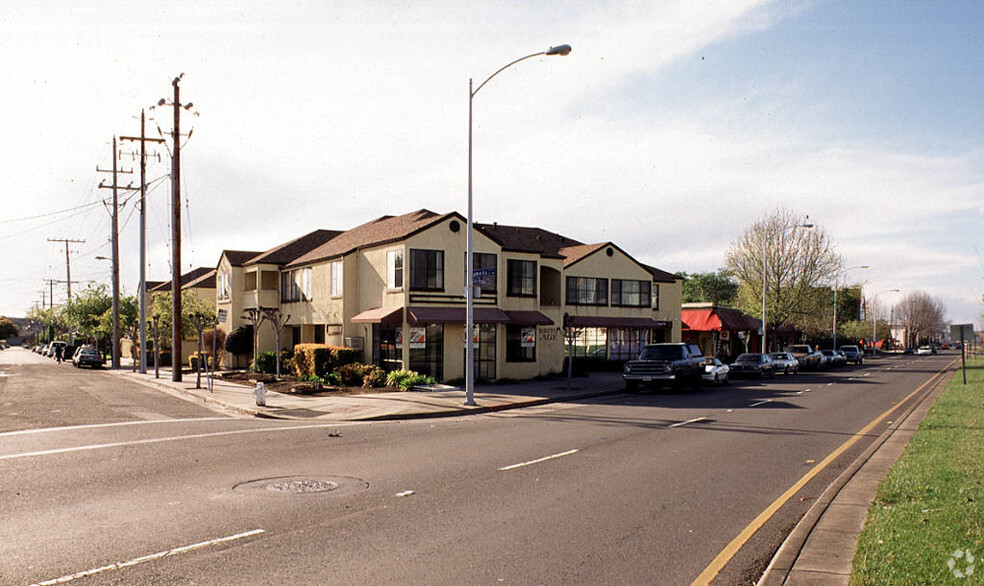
[[785, 362], [716, 371]]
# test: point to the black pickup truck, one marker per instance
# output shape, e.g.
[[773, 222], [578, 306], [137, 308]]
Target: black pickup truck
[[672, 363]]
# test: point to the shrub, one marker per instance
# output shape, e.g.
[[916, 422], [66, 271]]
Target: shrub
[[266, 362], [193, 360], [342, 355], [407, 379], [333, 379], [164, 359], [313, 359], [352, 374], [373, 377], [240, 341]]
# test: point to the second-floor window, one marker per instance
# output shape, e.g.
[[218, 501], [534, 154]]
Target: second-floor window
[[521, 278], [295, 285], [587, 291], [336, 278], [224, 288], [394, 269], [427, 270], [626, 293]]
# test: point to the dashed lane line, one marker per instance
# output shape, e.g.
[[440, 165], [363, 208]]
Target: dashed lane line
[[538, 460], [687, 422]]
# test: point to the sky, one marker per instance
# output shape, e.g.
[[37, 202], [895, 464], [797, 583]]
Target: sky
[[670, 128]]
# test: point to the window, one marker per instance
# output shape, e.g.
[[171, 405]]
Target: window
[[483, 261], [587, 291], [336, 278], [631, 293], [394, 269], [656, 296], [224, 288], [520, 343], [521, 278], [427, 270], [250, 281], [295, 285], [387, 352], [429, 359]]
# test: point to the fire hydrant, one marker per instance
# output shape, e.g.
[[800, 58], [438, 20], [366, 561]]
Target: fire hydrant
[[260, 392]]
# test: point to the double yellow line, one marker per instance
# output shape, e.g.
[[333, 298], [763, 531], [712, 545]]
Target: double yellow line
[[722, 559]]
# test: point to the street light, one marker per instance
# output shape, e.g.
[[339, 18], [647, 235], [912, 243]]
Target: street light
[[469, 252], [874, 319], [833, 333], [765, 270]]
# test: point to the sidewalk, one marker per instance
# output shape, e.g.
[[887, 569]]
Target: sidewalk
[[380, 406]]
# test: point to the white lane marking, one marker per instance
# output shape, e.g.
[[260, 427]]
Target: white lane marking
[[117, 424], [682, 423], [149, 558], [830, 384], [171, 439], [538, 460], [760, 403], [406, 493]]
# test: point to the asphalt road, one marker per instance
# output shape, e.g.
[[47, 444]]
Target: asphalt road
[[634, 489]]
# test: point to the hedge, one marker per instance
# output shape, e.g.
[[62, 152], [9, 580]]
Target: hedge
[[321, 359]]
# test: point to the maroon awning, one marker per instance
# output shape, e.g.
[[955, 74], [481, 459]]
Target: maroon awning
[[431, 315], [380, 315], [529, 318], [581, 321]]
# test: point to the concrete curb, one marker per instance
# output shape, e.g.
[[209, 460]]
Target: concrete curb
[[829, 566]]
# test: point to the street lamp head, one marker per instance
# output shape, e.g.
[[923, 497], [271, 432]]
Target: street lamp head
[[558, 50]]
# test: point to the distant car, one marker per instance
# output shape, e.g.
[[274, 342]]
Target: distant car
[[853, 354], [924, 351], [88, 356], [716, 371], [757, 365], [785, 362], [808, 358], [833, 359]]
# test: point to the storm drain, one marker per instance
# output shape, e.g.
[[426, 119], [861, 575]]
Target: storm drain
[[291, 485]]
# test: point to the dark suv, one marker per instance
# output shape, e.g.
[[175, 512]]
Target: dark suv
[[673, 363]]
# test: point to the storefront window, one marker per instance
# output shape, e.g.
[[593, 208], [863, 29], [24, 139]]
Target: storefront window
[[428, 357], [386, 352], [520, 343]]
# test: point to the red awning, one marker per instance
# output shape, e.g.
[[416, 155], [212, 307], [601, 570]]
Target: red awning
[[580, 321], [719, 319], [430, 315], [529, 318], [380, 315]]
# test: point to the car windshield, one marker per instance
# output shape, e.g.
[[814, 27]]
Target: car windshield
[[661, 353], [749, 358], [779, 355]]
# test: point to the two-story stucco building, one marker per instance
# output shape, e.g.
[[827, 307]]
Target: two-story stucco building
[[394, 289]]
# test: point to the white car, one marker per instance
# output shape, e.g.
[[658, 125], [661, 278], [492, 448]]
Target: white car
[[716, 372], [785, 362], [924, 351]]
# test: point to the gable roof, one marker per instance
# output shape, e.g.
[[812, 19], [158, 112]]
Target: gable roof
[[572, 254], [200, 278], [285, 253], [379, 231], [238, 257], [661, 276], [525, 239]]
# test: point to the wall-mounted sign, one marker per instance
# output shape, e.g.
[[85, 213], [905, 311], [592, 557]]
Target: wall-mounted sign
[[221, 315], [725, 335], [399, 339], [527, 338]]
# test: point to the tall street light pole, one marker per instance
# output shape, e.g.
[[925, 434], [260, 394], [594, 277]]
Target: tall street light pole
[[874, 319], [469, 253], [833, 332], [765, 270]]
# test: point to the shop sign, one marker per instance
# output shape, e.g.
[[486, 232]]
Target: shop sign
[[418, 338], [527, 338]]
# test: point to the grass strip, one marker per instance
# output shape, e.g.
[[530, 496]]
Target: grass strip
[[929, 511]]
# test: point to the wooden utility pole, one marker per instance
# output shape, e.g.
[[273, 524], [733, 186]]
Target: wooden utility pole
[[68, 263], [176, 237], [115, 240], [142, 293]]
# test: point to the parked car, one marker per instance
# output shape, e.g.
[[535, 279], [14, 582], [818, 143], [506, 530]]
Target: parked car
[[808, 358], [785, 362], [88, 356], [853, 354], [833, 359], [924, 351], [716, 371], [673, 363], [52, 349], [758, 365]]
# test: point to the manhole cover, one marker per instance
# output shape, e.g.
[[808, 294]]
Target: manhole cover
[[290, 485], [302, 486]]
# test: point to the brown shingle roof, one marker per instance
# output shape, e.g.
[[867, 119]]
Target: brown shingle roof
[[285, 253], [661, 276], [572, 254], [238, 257], [525, 239], [202, 277], [378, 231]]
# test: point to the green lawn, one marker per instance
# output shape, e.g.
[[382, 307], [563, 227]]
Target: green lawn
[[931, 506]]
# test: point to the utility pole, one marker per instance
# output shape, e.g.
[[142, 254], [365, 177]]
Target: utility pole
[[143, 236], [115, 239], [68, 263]]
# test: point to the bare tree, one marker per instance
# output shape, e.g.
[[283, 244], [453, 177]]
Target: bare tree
[[923, 317], [791, 259], [255, 317], [278, 320]]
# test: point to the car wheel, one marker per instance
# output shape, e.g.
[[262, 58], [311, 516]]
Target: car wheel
[[717, 379], [726, 379]]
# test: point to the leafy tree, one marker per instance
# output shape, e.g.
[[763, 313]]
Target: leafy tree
[[8, 329], [84, 312], [795, 261], [160, 306], [717, 288], [854, 330], [240, 341]]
